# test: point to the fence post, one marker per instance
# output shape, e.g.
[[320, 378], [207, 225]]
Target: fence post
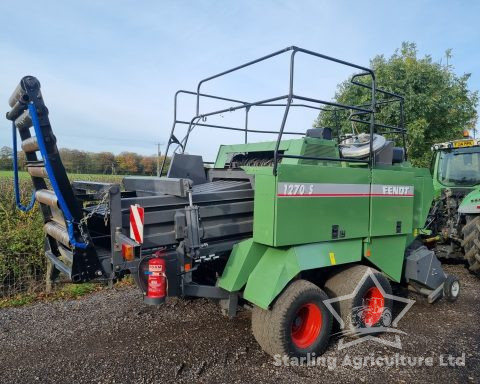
[[49, 280]]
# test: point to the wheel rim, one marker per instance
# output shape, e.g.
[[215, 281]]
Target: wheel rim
[[306, 325], [373, 304], [455, 288]]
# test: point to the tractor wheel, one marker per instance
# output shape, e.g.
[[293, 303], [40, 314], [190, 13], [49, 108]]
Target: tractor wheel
[[471, 243], [366, 305], [298, 324]]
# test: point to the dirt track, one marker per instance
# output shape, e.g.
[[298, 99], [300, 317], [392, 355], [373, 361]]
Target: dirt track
[[111, 337]]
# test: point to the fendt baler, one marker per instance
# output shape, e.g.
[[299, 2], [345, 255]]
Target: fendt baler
[[280, 225]]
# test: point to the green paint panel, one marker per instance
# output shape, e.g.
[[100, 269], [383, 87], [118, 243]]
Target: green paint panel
[[423, 197], [300, 220], [312, 147], [243, 259], [388, 210], [470, 202], [280, 265], [387, 253], [423, 189], [437, 186], [225, 152], [306, 146], [264, 209]]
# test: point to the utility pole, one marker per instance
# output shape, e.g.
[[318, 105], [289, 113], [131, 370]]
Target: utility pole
[[158, 159]]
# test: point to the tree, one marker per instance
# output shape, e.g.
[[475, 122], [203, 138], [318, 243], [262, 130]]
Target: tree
[[149, 165], [128, 162], [104, 162], [6, 154], [166, 165], [75, 161], [438, 103], [21, 160]]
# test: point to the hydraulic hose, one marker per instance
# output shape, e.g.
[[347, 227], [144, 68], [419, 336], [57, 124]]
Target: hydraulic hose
[[24, 208]]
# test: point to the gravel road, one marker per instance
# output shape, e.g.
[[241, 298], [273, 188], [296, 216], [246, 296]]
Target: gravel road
[[111, 337]]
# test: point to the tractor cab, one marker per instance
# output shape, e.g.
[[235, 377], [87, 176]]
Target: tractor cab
[[456, 165], [456, 172]]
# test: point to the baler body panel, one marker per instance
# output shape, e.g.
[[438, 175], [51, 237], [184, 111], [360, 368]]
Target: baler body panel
[[392, 196], [388, 254], [278, 266], [316, 203], [242, 261]]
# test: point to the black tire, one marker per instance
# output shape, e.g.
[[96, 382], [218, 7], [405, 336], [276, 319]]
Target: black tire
[[451, 288], [278, 330], [368, 307], [471, 243]]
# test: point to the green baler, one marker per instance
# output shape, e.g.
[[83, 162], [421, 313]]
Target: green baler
[[285, 226], [315, 216]]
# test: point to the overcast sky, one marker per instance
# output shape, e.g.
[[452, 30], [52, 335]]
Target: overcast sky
[[109, 69]]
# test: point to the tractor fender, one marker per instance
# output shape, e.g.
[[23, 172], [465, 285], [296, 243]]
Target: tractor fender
[[470, 203], [278, 266]]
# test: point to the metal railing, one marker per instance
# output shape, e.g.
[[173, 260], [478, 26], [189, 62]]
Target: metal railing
[[291, 99]]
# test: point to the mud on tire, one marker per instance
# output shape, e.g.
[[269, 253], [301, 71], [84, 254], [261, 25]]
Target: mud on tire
[[471, 243]]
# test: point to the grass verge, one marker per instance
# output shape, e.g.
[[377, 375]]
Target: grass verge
[[66, 291]]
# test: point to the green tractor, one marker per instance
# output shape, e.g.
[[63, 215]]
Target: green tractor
[[455, 215]]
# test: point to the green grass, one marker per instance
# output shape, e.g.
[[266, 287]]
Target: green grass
[[9, 175], [67, 291], [72, 291], [22, 175], [18, 301]]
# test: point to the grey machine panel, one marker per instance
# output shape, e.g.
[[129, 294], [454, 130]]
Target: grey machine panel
[[151, 186], [423, 267], [187, 167]]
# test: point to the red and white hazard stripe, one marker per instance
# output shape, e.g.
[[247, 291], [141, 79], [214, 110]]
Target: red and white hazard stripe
[[137, 214]]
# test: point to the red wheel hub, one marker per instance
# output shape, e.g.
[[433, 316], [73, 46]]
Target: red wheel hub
[[373, 306], [306, 325]]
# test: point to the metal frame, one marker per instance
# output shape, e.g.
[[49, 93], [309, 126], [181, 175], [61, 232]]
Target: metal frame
[[29, 111], [368, 109]]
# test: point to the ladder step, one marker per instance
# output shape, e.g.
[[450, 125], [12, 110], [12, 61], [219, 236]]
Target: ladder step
[[59, 264], [24, 121], [37, 171], [66, 253], [47, 197], [58, 232], [57, 215], [30, 145]]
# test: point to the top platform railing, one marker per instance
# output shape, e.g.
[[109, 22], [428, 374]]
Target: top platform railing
[[288, 100]]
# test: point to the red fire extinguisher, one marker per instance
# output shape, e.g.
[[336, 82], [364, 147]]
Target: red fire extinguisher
[[156, 281]]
